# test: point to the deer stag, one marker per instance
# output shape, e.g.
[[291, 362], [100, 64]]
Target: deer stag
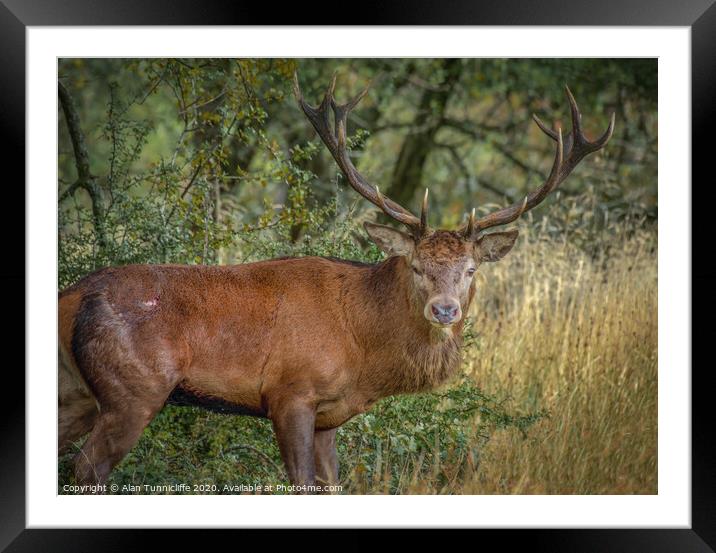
[[306, 342]]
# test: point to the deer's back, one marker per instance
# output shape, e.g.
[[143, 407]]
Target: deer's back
[[228, 331]]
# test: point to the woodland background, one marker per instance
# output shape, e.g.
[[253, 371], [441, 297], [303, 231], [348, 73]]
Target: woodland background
[[211, 161]]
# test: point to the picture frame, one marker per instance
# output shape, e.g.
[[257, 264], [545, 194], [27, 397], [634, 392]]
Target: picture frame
[[699, 16]]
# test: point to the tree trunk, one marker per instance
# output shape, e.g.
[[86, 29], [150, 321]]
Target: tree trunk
[[408, 173]]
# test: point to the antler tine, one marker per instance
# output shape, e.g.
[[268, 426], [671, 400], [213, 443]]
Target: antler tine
[[576, 115], [545, 129], [340, 113], [336, 142], [424, 214], [571, 149], [524, 207], [470, 228], [600, 142], [576, 144], [328, 97], [318, 116], [379, 199], [385, 204], [297, 88]]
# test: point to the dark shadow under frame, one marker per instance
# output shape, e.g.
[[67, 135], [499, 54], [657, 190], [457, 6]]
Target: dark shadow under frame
[[700, 15]]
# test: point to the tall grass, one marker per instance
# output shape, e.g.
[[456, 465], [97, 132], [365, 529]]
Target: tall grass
[[573, 332]]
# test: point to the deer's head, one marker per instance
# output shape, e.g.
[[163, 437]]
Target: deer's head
[[442, 262], [441, 266]]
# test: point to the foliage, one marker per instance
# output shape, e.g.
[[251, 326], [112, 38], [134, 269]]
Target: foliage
[[191, 154]]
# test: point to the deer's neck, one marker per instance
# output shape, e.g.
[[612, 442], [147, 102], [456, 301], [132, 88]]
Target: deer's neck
[[405, 353]]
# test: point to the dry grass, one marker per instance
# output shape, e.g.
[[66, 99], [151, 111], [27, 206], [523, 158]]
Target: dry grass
[[575, 334]]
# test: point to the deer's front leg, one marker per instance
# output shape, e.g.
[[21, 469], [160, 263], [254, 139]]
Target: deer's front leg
[[324, 443], [293, 423]]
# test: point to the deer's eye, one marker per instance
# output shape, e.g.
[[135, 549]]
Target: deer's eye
[[471, 271]]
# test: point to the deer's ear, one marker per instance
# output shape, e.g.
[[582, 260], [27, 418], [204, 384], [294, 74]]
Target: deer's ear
[[390, 240], [493, 247]]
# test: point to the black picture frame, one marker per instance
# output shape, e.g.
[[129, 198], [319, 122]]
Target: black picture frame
[[16, 15]]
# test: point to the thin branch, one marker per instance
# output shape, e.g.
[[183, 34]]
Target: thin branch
[[466, 173], [198, 169], [258, 452], [477, 130], [425, 85], [70, 191], [154, 86], [195, 104], [272, 224], [498, 191], [480, 131], [521, 164], [200, 166]]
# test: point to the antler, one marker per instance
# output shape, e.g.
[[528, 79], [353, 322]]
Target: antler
[[570, 151], [335, 141]]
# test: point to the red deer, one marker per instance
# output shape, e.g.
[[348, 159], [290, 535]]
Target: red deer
[[306, 342]]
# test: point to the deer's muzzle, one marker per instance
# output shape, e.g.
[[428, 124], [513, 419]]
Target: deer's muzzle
[[443, 311]]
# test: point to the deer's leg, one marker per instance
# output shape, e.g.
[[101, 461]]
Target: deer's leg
[[77, 408], [130, 370], [76, 417], [116, 431], [293, 424], [324, 443], [127, 406]]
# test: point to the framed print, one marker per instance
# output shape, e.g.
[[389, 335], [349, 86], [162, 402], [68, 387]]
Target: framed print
[[229, 237]]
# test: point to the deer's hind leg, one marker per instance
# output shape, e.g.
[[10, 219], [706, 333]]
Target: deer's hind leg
[[125, 411], [130, 370], [77, 407], [77, 416], [116, 431]]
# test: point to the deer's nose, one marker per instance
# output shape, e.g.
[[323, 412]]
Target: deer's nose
[[445, 313]]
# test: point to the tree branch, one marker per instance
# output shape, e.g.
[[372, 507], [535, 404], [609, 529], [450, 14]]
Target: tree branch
[[466, 173], [85, 179], [479, 132]]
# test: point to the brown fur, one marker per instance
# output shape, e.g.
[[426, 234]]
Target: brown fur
[[307, 342]]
